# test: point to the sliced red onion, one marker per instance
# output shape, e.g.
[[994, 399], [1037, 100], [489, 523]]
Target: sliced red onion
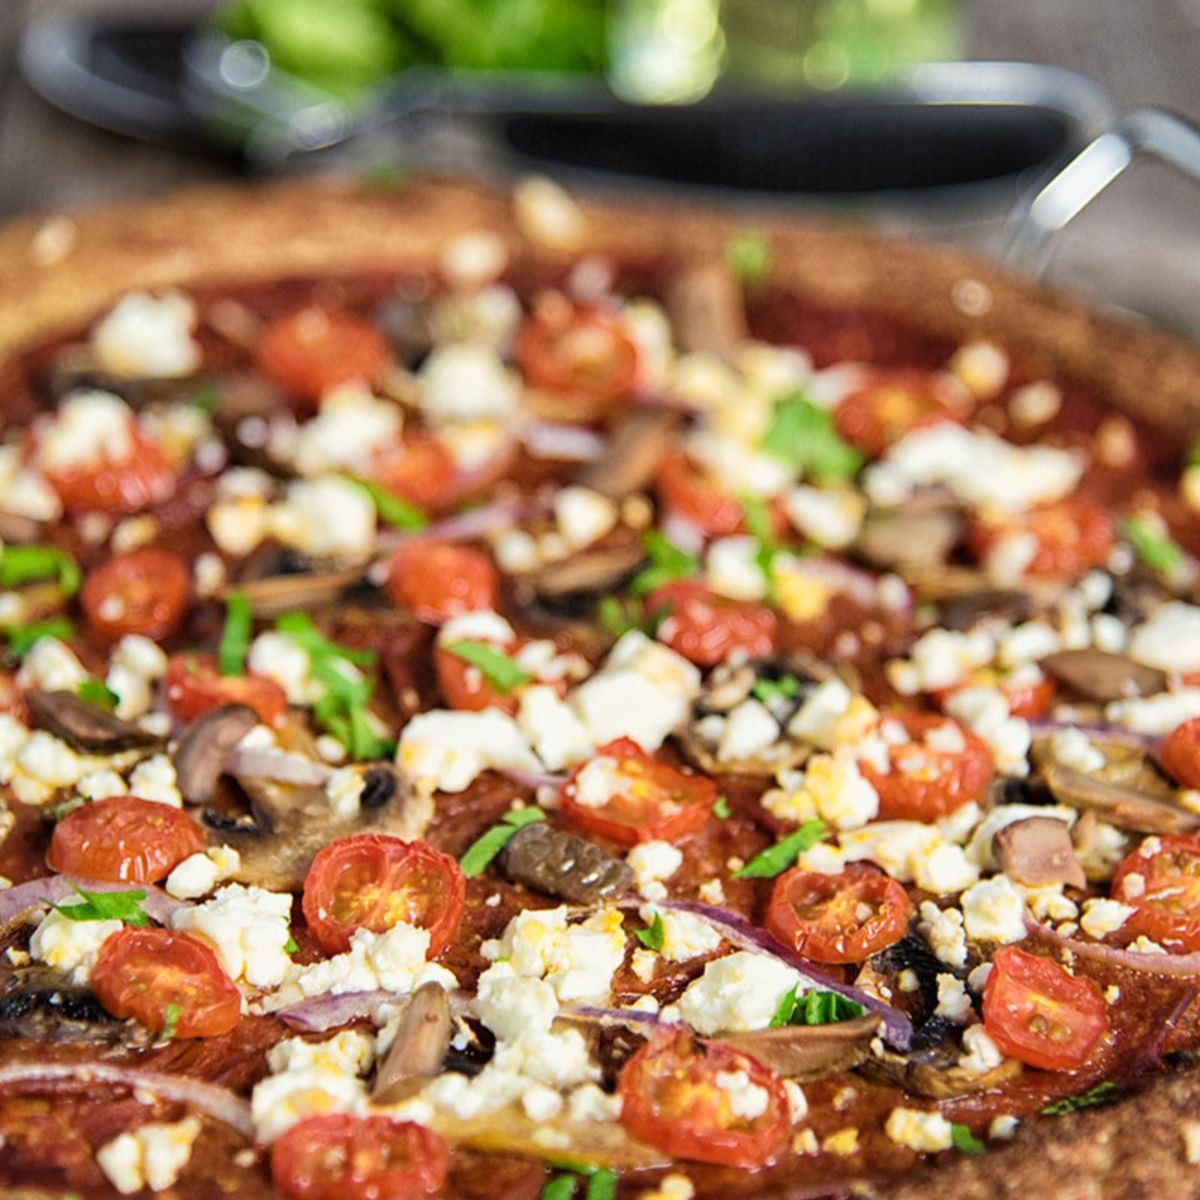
[[1149, 742], [861, 586], [217, 1102], [320, 1013], [277, 765], [478, 522], [533, 779], [682, 532], [1187, 965], [56, 888], [565, 443]]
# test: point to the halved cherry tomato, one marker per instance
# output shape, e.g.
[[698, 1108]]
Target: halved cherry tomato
[[577, 351], [1028, 699], [194, 685], [1166, 899], [340, 1157], [438, 580], [706, 628], [139, 972], [926, 781], [123, 839], [421, 468], [1180, 753], [892, 403], [672, 1098], [1070, 536], [466, 688], [1038, 1014], [140, 480], [316, 348], [145, 591], [684, 490], [624, 794], [838, 918], [372, 881]]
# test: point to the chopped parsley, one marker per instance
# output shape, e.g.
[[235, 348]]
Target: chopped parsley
[[205, 398], [721, 809], [105, 906], [1102, 1093], [965, 1141], [668, 562], [235, 637], [481, 852], [601, 1183], [26, 564], [776, 859], [1193, 457], [1157, 550], [786, 687], [503, 672], [171, 1014], [290, 946], [653, 936], [92, 691], [749, 258], [758, 523], [392, 509], [802, 435], [815, 1007], [21, 638], [621, 614]]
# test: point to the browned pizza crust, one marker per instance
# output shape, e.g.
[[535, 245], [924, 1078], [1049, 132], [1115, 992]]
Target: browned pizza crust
[[57, 273]]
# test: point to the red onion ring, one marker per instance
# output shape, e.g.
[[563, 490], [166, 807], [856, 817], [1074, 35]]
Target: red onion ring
[[209, 1098], [533, 779], [320, 1013], [56, 888], [682, 532], [463, 527], [564, 443], [278, 765], [1187, 965], [1110, 733]]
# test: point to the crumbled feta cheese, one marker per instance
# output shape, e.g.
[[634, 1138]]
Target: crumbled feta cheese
[[831, 517], [279, 1101], [467, 381], [737, 993], [924, 1132], [652, 862], [136, 664], [446, 751], [980, 1053], [1169, 639], [547, 214], [52, 666], [749, 730], [248, 927], [685, 935], [943, 929], [280, 658], [70, 946], [469, 260], [154, 779], [89, 429], [832, 788], [152, 1156], [148, 337], [23, 491], [985, 711], [583, 516], [1103, 916], [348, 432], [1072, 748], [732, 569], [349, 1052], [326, 517], [942, 658], [746, 1100], [953, 1003], [994, 911]]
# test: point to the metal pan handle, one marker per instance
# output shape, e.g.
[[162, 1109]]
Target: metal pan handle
[[1052, 204]]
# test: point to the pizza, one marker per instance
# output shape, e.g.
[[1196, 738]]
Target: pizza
[[505, 696]]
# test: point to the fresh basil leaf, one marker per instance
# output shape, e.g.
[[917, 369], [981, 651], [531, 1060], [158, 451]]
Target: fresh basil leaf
[[786, 687], [965, 1141], [365, 743], [749, 258], [290, 946], [619, 615], [721, 809], [25, 564], [815, 1007], [501, 671], [67, 806], [481, 852], [653, 936], [342, 679], [299, 627], [392, 509], [21, 638], [803, 436], [235, 637], [171, 1014], [1157, 550], [668, 562], [1102, 1093], [92, 691], [776, 859], [602, 1185], [205, 398], [105, 906], [785, 1008]]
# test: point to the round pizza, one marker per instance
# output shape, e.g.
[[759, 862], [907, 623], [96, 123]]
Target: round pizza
[[509, 697]]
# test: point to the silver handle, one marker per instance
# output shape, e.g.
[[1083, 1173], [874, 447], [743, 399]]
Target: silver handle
[[1051, 205]]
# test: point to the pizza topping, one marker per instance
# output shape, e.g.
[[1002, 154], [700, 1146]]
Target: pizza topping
[[84, 726], [418, 1047]]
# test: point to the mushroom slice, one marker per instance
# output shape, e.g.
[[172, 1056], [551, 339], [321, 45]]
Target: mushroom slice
[[964, 612], [779, 756], [1102, 677], [16, 528], [1118, 805], [1038, 850], [934, 1074], [708, 311], [277, 594], [920, 536], [200, 756], [42, 1004], [807, 1052], [596, 571], [636, 448], [559, 864], [85, 727], [419, 1047]]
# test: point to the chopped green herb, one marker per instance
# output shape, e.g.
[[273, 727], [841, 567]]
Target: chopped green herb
[[1193, 457], [299, 627], [67, 806], [25, 564], [653, 936], [561, 1187], [776, 859], [602, 1185], [668, 562], [1158, 551], [749, 258], [392, 509], [386, 178], [235, 638], [619, 614], [205, 398], [21, 638], [97, 693], [758, 523], [171, 1014], [1102, 1093], [106, 906], [815, 1007], [290, 947], [802, 435], [481, 852], [965, 1141], [721, 809], [501, 671], [786, 687]]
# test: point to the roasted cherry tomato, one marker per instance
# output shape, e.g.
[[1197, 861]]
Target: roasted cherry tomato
[[466, 688], [1069, 537], [142, 479], [892, 403], [1038, 1014], [145, 591], [314, 349], [194, 685], [143, 973], [1180, 753], [340, 1157], [673, 1097], [372, 881], [841, 918], [939, 769], [436, 580], [685, 491], [624, 794], [421, 469], [581, 352], [706, 628], [1162, 883], [1028, 698], [123, 839]]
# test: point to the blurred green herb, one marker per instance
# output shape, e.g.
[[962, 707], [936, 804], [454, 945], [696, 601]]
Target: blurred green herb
[[776, 859], [481, 852], [802, 435]]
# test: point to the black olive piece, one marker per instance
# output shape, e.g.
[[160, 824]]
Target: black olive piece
[[379, 786], [219, 820]]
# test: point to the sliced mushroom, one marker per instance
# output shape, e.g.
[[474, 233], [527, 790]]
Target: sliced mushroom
[[84, 726], [1118, 805], [1102, 677], [708, 311], [16, 529], [910, 537], [936, 1073], [597, 571], [559, 864], [43, 1005], [964, 612], [277, 594], [200, 756], [636, 448], [810, 1051], [419, 1047], [1038, 850]]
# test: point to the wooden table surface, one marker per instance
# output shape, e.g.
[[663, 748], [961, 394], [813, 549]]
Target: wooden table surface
[[1140, 245]]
